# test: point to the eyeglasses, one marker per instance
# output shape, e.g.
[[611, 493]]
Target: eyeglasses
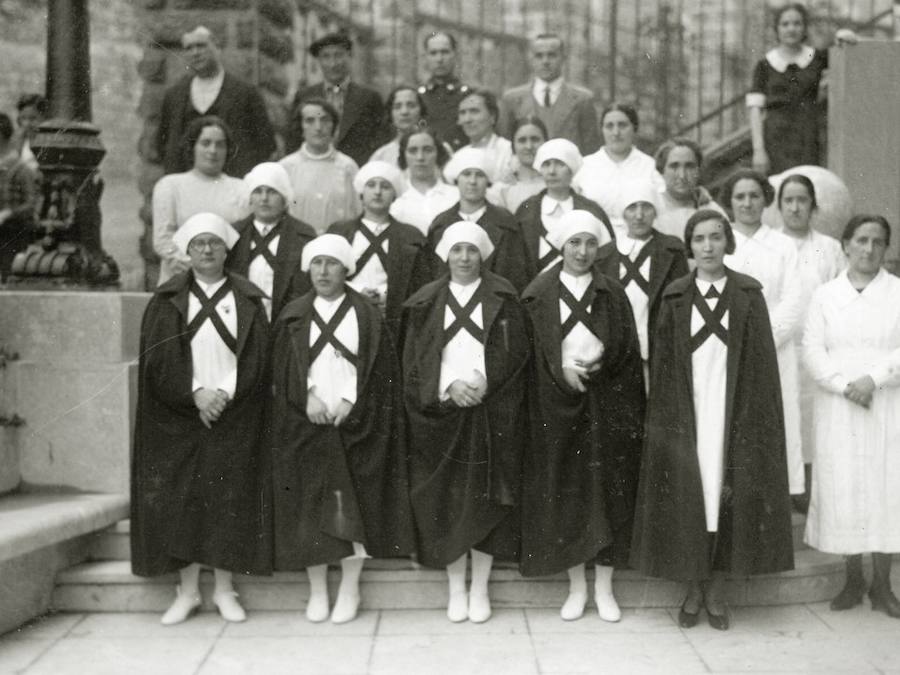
[[198, 245]]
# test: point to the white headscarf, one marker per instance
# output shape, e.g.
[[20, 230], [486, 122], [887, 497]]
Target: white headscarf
[[378, 169], [575, 222], [271, 175], [562, 149], [464, 232], [466, 158], [638, 191], [204, 223], [331, 245]]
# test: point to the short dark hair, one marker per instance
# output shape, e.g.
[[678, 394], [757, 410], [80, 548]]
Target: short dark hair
[[196, 127], [442, 154], [702, 216], [624, 108], [489, 98], [35, 100], [662, 154], [389, 104], [745, 174], [329, 109], [550, 36], [436, 33], [797, 7], [529, 120], [861, 219], [340, 39], [799, 179], [6, 127]]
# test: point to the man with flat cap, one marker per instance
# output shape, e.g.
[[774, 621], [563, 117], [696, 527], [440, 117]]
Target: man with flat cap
[[209, 90], [443, 91], [361, 111]]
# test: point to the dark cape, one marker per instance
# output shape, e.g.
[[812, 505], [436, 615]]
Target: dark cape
[[582, 464], [509, 259], [465, 463], [199, 495], [409, 266], [667, 263], [289, 281], [754, 532], [529, 217], [336, 485]]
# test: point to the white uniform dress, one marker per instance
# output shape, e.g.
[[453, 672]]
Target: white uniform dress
[[462, 358], [823, 259], [709, 370], [420, 209], [579, 344], [601, 179], [855, 505], [771, 258], [636, 290], [370, 273], [214, 362]]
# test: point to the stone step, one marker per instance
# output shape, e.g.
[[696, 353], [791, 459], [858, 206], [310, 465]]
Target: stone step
[[113, 543], [109, 586]]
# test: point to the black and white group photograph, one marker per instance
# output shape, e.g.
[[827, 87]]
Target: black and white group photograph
[[449, 337]]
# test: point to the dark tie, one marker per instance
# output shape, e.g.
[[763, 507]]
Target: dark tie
[[547, 96], [261, 244], [208, 311], [327, 336], [633, 269], [578, 310], [462, 317], [375, 247], [712, 319]]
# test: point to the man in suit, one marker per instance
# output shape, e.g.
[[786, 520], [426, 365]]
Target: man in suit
[[209, 90], [362, 118], [566, 109], [443, 91]]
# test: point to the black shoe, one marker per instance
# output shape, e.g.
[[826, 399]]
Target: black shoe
[[686, 619], [849, 597], [718, 621], [800, 503], [885, 601]]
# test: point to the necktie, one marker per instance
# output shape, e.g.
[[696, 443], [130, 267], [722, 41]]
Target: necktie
[[547, 96], [712, 293]]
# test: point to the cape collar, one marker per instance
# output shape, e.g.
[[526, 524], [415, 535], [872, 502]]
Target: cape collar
[[803, 58]]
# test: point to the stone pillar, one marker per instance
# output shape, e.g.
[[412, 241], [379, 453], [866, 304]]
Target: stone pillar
[[863, 138], [255, 40], [68, 249]]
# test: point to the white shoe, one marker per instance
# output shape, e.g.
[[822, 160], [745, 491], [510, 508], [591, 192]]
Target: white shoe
[[573, 608], [479, 607], [607, 606], [457, 607], [317, 608], [345, 608], [184, 605], [229, 607]]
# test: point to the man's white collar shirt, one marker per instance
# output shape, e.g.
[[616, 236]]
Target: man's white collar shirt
[[539, 90], [205, 90]]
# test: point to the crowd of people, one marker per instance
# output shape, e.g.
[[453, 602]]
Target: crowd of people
[[499, 331]]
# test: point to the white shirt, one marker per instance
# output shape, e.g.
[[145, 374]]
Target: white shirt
[[601, 179], [709, 367], [419, 209], [474, 215], [580, 344], [372, 275], [260, 272], [499, 154], [539, 89], [637, 298], [214, 364], [331, 377], [205, 90], [463, 356]]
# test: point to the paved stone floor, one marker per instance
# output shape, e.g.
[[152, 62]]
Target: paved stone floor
[[793, 639]]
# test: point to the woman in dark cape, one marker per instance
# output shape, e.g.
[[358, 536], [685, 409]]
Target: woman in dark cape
[[582, 464], [465, 439], [340, 485], [689, 528], [199, 488]]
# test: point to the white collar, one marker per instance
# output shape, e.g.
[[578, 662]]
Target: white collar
[[210, 289], [549, 204], [703, 286], [306, 152], [261, 226], [801, 59], [576, 285], [486, 142], [327, 308], [847, 293], [373, 227], [474, 216], [339, 87], [627, 245], [464, 289], [540, 85]]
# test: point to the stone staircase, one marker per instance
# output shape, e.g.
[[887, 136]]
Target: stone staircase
[[105, 584]]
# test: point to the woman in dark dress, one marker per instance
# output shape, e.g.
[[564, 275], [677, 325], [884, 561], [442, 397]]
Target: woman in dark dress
[[587, 413], [464, 359], [199, 487], [713, 495]]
